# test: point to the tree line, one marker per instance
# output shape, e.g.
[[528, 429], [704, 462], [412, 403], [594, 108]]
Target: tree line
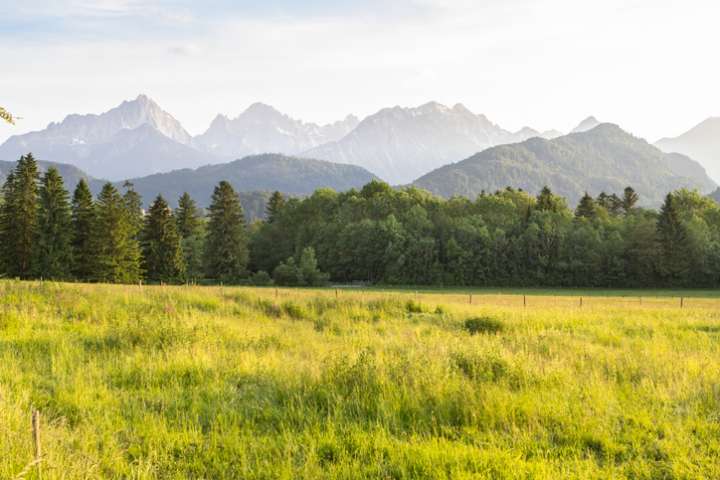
[[376, 235]]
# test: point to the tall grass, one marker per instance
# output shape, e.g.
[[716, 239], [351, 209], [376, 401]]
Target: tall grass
[[178, 382]]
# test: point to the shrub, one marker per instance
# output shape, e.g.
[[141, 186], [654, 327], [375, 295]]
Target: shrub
[[261, 279], [287, 274], [294, 310], [411, 306], [482, 325]]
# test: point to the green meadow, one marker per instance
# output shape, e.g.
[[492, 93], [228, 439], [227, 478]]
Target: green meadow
[[153, 382]]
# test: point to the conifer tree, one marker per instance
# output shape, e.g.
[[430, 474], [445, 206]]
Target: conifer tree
[[84, 243], [162, 253], [20, 218], [275, 204], [226, 246], [191, 232], [188, 216], [118, 252], [54, 252], [630, 198], [586, 207], [7, 232], [549, 202], [133, 204], [672, 240]]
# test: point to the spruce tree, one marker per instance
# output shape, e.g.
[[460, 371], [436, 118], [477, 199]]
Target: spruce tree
[[162, 252], [672, 239], [133, 205], [20, 218], [190, 229], [84, 243], [586, 207], [54, 252], [187, 216], [226, 246], [274, 206], [118, 252], [7, 232], [630, 198]]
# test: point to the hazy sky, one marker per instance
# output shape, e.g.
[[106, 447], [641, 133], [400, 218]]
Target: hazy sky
[[649, 65]]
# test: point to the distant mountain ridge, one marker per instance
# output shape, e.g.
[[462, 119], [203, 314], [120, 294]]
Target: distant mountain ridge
[[701, 143], [605, 158], [135, 138], [263, 129], [267, 172], [400, 144], [139, 138]]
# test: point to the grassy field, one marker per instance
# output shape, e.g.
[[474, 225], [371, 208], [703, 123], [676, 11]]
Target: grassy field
[[199, 382]]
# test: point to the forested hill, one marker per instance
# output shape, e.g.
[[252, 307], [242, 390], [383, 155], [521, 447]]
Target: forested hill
[[269, 172], [70, 174], [605, 158]]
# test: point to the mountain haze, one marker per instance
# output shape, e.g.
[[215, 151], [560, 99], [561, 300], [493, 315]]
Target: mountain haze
[[399, 144], [136, 138], [605, 158], [263, 129], [701, 143], [267, 172]]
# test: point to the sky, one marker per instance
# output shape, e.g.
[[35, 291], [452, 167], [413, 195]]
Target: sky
[[650, 66]]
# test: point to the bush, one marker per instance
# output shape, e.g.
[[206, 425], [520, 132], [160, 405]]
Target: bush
[[294, 310], [304, 272], [287, 274], [261, 279], [482, 325], [413, 307]]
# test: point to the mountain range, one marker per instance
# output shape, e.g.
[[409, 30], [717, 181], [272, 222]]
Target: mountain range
[[139, 138], [268, 172], [400, 144], [604, 158], [701, 143]]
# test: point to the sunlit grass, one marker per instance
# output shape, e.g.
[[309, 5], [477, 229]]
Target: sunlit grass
[[212, 382]]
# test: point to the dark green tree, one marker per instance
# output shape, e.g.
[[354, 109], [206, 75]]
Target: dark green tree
[[84, 243], [274, 206], [20, 219], [187, 216], [163, 258], [54, 250], [586, 207], [133, 205], [629, 200], [672, 240], [549, 202], [226, 245], [118, 254], [190, 228]]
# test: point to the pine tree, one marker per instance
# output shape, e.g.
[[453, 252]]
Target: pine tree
[[162, 252], [586, 207], [54, 252], [118, 253], [7, 232], [672, 240], [190, 229], [20, 218], [226, 246], [549, 202], [187, 216], [84, 243], [630, 198], [274, 206], [133, 205]]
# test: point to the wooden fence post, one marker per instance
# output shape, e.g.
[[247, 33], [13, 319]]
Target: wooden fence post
[[36, 439], [470, 301], [580, 302], [524, 301], [682, 302]]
